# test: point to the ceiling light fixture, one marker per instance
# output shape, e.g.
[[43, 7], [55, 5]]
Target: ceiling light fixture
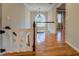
[[39, 13]]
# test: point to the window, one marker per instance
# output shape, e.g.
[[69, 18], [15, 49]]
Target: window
[[59, 17], [39, 19]]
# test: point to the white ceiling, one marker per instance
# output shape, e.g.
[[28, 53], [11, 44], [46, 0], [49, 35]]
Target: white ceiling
[[42, 6]]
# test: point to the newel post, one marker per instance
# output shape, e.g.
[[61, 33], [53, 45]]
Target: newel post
[[34, 36]]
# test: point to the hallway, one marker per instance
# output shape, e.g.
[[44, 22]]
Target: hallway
[[46, 30]]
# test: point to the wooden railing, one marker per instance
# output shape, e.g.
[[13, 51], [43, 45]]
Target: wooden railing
[[34, 37], [35, 32], [17, 40]]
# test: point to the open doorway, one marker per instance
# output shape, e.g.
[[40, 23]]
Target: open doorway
[[61, 23]]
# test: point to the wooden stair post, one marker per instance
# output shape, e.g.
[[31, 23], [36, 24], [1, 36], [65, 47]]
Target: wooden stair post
[[34, 36]]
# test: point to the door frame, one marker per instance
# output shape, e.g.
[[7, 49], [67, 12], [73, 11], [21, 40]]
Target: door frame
[[59, 9]]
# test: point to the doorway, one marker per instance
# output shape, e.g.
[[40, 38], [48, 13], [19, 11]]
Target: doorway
[[60, 31]]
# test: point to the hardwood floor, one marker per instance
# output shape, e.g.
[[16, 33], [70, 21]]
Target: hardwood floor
[[30, 53], [54, 47], [49, 46]]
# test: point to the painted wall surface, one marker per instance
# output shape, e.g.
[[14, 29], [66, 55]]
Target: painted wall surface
[[13, 15], [52, 17], [72, 24], [0, 15], [0, 24], [27, 18]]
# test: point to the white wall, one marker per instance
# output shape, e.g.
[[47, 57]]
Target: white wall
[[0, 14], [51, 17], [72, 25], [15, 15], [0, 23], [27, 18]]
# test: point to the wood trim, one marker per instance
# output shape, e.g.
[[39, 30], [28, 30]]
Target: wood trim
[[59, 11], [34, 36], [40, 32], [46, 22]]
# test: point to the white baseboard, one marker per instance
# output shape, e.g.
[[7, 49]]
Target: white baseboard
[[72, 46]]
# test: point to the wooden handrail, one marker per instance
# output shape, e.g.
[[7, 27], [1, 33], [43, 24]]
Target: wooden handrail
[[46, 22], [34, 29]]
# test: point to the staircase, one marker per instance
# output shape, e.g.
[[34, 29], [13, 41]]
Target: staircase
[[17, 42]]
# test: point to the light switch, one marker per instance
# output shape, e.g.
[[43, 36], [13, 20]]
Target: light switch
[[8, 17]]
